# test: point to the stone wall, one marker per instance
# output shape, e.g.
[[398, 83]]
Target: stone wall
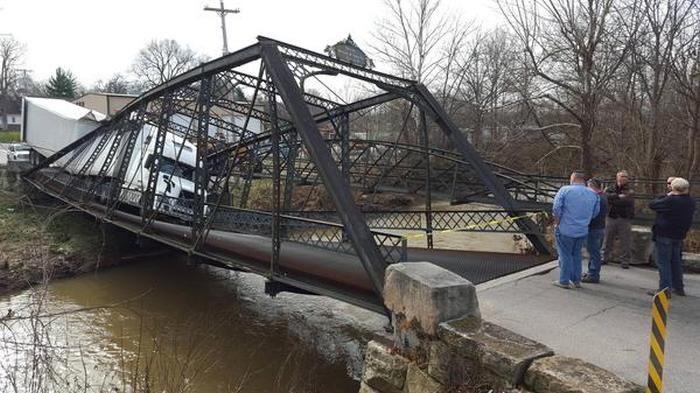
[[691, 262], [642, 247], [441, 344]]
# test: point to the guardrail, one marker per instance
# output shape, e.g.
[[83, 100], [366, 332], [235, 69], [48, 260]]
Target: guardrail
[[327, 235]]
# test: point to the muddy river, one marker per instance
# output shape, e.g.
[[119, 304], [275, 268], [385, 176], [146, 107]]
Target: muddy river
[[163, 326]]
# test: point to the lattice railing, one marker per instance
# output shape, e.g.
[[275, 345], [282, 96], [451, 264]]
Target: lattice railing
[[320, 234], [499, 221]]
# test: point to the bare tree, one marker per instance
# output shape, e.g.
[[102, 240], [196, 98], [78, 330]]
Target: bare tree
[[487, 71], [11, 52], [653, 60], [422, 41], [686, 81], [412, 37], [575, 48], [118, 83], [161, 60], [451, 76]]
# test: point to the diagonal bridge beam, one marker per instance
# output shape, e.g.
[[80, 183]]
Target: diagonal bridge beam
[[337, 186]]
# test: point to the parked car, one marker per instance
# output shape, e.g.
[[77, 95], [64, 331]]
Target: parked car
[[19, 152]]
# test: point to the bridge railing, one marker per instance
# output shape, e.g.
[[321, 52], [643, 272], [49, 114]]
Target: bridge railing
[[327, 235], [494, 221]]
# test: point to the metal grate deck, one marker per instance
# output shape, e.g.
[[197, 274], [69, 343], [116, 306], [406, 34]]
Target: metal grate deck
[[477, 266]]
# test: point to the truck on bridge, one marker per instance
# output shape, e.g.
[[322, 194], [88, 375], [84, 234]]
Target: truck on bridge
[[174, 188], [49, 125]]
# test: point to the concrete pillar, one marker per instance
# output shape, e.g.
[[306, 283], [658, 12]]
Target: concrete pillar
[[420, 296]]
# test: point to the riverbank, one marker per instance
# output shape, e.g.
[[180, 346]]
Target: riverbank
[[41, 240]]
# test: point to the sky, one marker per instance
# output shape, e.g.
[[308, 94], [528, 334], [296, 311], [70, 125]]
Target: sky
[[96, 38]]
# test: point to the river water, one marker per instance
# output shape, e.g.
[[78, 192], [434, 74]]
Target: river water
[[163, 326]]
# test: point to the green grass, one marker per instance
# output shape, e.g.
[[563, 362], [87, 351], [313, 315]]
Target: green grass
[[23, 227], [9, 136]]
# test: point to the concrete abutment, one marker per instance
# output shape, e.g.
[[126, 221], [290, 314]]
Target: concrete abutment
[[441, 344]]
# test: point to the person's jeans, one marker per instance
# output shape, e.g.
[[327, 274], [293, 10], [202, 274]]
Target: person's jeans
[[594, 243], [570, 259], [668, 259]]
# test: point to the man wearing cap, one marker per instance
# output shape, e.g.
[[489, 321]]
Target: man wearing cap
[[674, 217], [619, 221], [574, 207]]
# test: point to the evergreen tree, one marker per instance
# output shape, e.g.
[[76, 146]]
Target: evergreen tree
[[62, 85]]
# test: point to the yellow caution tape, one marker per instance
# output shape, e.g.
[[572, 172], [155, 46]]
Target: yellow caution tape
[[473, 226]]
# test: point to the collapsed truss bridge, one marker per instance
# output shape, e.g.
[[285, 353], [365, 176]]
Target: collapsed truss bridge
[[191, 164]]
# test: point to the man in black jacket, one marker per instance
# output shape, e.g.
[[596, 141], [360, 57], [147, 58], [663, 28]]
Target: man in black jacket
[[619, 221], [674, 216]]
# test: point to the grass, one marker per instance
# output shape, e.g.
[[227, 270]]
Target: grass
[[9, 136], [31, 235], [24, 227]]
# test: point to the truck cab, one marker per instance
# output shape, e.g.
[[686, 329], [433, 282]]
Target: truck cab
[[174, 187]]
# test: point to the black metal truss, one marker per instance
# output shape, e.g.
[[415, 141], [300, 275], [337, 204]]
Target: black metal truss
[[337, 187], [288, 152], [149, 194], [201, 172]]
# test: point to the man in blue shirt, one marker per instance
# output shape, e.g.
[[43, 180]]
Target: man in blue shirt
[[574, 207]]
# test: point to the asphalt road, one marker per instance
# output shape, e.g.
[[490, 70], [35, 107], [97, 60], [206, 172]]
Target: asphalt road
[[607, 324]]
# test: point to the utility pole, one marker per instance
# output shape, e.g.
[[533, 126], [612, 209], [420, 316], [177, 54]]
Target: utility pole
[[222, 13], [25, 80]]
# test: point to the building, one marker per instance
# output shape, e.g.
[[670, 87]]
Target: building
[[11, 117], [107, 103], [14, 121]]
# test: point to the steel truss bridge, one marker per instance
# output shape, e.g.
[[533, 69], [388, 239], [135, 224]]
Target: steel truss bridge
[[304, 145]]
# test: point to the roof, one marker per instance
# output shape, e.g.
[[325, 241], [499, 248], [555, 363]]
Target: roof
[[66, 109], [95, 93]]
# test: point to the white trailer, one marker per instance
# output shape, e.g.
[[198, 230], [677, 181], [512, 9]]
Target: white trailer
[[48, 124], [51, 124]]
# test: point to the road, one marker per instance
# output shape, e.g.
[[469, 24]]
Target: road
[[607, 324]]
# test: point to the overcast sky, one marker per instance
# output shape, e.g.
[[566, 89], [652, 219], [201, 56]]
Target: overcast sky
[[96, 38]]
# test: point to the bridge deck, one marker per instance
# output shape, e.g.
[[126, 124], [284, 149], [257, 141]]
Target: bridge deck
[[477, 266]]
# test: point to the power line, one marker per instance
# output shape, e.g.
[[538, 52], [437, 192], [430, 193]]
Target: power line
[[222, 13]]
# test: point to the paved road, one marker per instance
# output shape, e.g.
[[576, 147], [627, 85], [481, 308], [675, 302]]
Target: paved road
[[606, 324]]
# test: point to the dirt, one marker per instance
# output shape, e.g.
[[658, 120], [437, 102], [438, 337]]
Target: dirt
[[41, 239]]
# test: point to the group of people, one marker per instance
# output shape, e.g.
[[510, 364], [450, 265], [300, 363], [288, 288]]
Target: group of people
[[586, 215]]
